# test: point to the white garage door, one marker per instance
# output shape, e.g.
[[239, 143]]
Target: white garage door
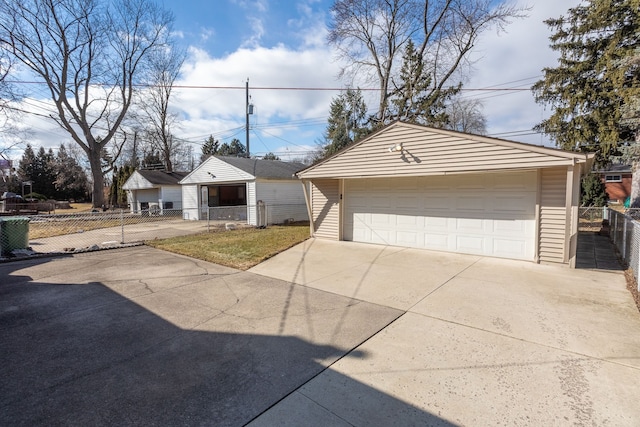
[[489, 214]]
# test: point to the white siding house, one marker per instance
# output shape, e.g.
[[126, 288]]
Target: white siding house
[[154, 190], [415, 186], [259, 192]]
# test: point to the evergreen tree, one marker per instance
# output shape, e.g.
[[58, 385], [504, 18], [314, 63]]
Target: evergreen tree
[[593, 192], [346, 123], [594, 89], [210, 148], [235, 148], [413, 100], [46, 164], [117, 195], [270, 156], [71, 180], [27, 164]]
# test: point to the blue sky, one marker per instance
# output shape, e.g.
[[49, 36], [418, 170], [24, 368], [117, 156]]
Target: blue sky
[[282, 44]]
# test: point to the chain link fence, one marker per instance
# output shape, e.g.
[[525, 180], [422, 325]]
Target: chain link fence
[[22, 235], [624, 232], [590, 218]]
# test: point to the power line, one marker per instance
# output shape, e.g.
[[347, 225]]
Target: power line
[[283, 88]]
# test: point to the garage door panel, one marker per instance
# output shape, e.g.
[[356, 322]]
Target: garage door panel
[[408, 238], [469, 225], [510, 227], [507, 247], [436, 222], [514, 203], [405, 221], [463, 213], [470, 244], [437, 241]]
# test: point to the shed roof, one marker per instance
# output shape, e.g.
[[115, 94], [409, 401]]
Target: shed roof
[[430, 151]]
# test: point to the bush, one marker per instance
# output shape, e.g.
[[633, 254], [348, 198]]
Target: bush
[[593, 192]]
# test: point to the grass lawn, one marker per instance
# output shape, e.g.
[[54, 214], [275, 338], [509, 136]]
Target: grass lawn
[[241, 249]]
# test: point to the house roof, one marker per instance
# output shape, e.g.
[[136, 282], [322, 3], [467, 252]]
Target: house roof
[[225, 169], [161, 177], [271, 169], [618, 168], [425, 150]]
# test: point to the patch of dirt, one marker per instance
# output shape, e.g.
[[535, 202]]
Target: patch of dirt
[[632, 285]]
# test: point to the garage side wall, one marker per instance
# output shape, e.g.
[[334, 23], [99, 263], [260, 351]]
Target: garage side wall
[[325, 205], [190, 202], [553, 215]]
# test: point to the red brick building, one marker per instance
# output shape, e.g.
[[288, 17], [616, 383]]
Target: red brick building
[[617, 181]]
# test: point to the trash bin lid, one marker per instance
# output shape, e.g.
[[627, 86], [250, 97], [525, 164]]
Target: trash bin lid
[[14, 219]]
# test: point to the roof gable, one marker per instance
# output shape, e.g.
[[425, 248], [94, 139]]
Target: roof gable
[[403, 149], [141, 179], [219, 169]]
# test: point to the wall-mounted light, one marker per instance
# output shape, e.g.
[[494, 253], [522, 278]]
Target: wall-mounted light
[[395, 147]]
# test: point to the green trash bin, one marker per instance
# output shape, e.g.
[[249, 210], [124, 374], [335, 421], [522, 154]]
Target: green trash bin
[[14, 234]]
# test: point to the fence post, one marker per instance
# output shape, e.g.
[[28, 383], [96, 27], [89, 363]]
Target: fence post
[[122, 226], [624, 239], [615, 229], [208, 219]]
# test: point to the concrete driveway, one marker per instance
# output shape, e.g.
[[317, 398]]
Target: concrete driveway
[[327, 333], [482, 341]]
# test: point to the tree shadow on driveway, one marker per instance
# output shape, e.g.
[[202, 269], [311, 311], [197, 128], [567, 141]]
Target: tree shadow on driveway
[[82, 354]]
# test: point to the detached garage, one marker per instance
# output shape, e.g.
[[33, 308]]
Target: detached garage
[[414, 186]]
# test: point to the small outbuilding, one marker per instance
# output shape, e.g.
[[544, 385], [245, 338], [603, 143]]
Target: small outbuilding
[[154, 190], [257, 191], [421, 187]]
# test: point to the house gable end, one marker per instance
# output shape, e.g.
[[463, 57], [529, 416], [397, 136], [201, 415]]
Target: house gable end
[[137, 182], [215, 170], [410, 150]]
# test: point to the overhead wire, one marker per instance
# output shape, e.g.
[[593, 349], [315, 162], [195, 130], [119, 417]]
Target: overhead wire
[[491, 91]]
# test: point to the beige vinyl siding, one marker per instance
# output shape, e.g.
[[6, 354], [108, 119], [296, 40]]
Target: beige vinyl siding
[[553, 214], [325, 198], [429, 152]]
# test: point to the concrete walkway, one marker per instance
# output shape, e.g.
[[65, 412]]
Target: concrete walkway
[[595, 251], [326, 333]]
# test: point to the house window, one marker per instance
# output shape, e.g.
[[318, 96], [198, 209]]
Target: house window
[[227, 195], [613, 178]]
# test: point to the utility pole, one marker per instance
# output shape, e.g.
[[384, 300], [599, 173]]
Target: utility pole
[[247, 116]]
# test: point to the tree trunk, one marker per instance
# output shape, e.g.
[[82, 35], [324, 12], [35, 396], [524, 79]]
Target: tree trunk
[[98, 179]]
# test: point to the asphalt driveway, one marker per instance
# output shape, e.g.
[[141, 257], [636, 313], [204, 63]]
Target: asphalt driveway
[[327, 333]]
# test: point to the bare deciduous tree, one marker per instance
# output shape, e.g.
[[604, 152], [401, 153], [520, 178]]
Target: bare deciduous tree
[[163, 70], [90, 54], [465, 115], [370, 36]]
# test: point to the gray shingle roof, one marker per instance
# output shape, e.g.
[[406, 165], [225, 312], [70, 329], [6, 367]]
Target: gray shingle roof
[[159, 177], [271, 169]]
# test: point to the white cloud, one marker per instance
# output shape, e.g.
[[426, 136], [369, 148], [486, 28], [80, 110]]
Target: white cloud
[[520, 53], [276, 68]]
